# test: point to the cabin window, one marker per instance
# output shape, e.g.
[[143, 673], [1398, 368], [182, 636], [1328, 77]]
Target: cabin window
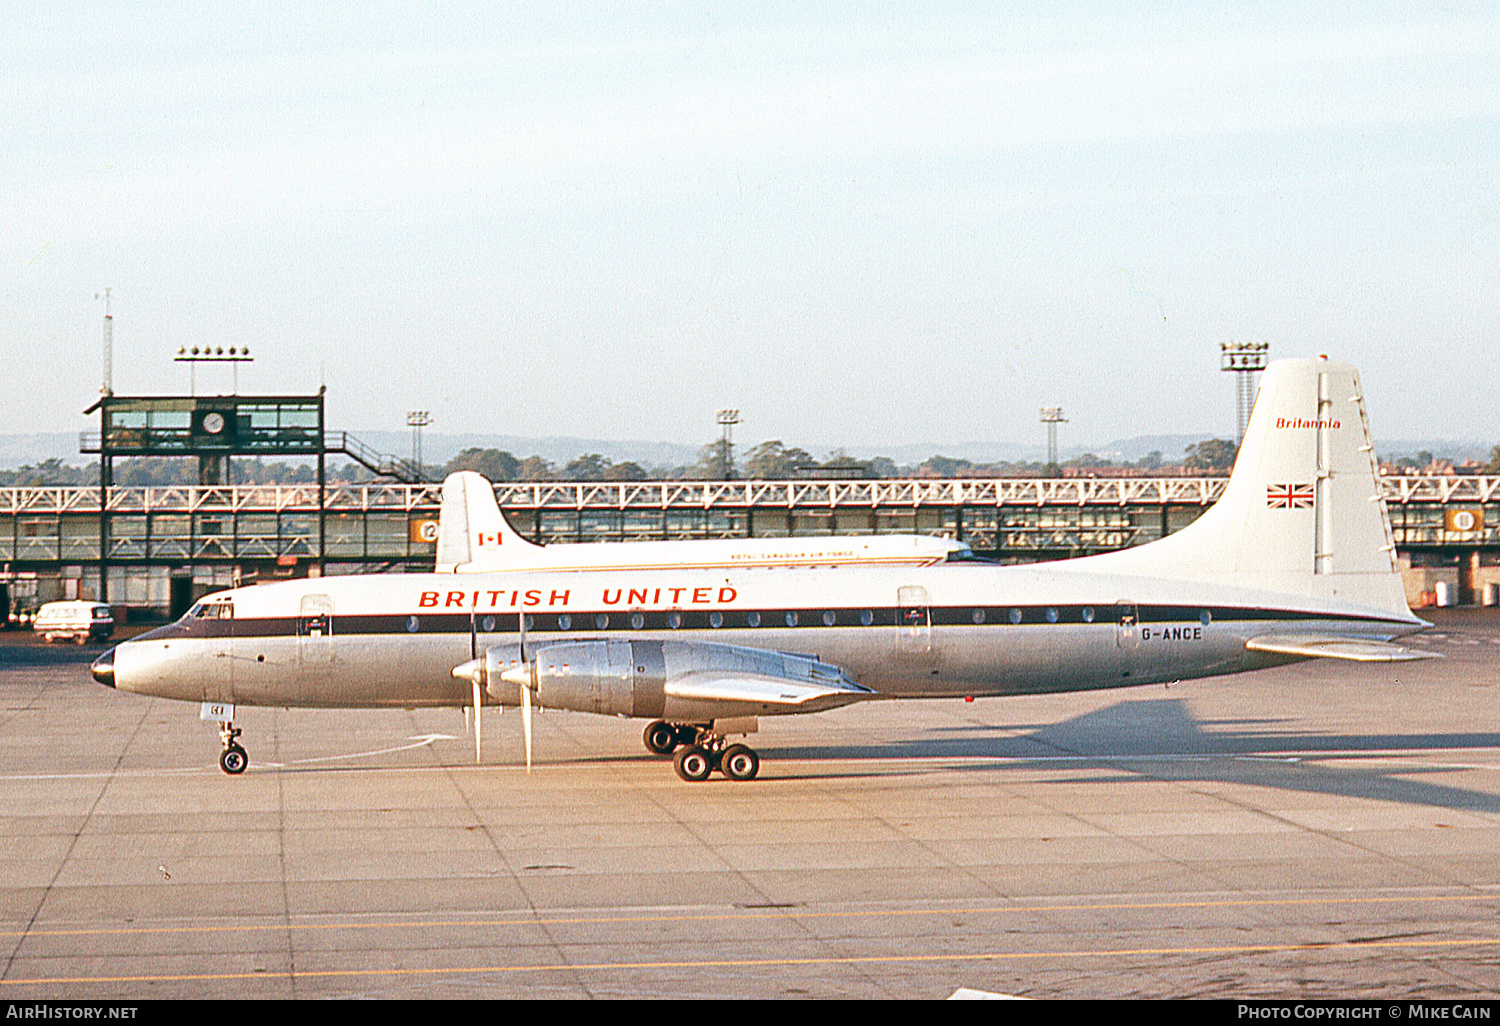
[[866, 617], [674, 620], [601, 621], [1015, 616], [791, 619], [565, 622], [637, 621], [1205, 618], [1051, 615], [753, 619], [979, 616], [412, 624], [829, 618], [716, 619], [1088, 614]]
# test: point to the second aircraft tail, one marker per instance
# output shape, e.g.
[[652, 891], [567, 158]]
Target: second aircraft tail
[[471, 528]]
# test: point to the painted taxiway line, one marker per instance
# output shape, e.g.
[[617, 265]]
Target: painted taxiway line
[[766, 963], [528, 919], [418, 741], [769, 756]]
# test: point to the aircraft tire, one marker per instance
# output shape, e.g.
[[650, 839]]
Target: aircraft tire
[[661, 737], [233, 760], [693, 764], [739, 762]]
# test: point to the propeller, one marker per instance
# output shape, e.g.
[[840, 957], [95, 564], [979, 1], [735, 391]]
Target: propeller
[[526, 688], [523, 676], [478, 695]]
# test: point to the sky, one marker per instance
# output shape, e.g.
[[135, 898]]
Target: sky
[[855, 223]]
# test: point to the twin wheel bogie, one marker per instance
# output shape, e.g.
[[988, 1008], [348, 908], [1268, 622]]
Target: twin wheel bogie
[[699, 751]]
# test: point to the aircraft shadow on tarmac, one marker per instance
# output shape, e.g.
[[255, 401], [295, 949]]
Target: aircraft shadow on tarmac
[[1159, 740]]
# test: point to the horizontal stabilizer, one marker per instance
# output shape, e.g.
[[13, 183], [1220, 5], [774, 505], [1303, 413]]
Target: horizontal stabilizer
[[718, 686], [1324, 646]]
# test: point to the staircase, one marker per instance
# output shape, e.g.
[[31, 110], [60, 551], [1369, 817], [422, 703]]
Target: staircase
[[380, 463]]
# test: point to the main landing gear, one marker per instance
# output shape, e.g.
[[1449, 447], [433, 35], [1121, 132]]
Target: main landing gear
[[232, 759], [700, 751]]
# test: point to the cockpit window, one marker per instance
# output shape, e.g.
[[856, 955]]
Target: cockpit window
[[211, 611], [962, 556]]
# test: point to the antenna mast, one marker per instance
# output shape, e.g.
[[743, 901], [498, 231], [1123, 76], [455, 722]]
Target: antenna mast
[[109, 345]]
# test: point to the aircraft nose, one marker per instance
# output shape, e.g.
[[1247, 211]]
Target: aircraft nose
[[104, 669]]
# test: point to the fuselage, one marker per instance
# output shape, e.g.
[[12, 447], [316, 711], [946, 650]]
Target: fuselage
[[728, 553], [942, 631]]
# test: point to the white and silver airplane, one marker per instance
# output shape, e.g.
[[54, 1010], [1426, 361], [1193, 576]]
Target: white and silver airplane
[[475, 537], [1295, 561]]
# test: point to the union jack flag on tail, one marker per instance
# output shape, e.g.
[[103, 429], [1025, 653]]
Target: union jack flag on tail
[[1289, 496]]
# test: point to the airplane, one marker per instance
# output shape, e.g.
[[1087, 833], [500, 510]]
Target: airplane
[[1295, 561], [475, 537]]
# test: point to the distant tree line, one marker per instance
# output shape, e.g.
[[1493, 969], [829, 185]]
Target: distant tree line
[[160, 472], [775, 460]]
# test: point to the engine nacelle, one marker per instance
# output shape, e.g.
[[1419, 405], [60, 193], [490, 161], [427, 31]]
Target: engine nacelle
[[635, 678], [605, 676]]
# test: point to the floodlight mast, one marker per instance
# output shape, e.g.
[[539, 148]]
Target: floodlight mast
[[727, 420], [1052, 416], [234, 356], [1245, 360], [417, 420]]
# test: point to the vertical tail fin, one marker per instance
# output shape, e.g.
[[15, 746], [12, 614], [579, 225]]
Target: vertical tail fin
[[1302, 512], [471, 528]]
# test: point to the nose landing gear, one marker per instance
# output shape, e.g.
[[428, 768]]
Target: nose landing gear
[[232, 759]]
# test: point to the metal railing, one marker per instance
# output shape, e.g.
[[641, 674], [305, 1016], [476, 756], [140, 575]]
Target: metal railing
[[657, 495], [340, 443]]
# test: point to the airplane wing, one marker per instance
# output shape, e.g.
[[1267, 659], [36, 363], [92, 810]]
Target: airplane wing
[[732, 686], [1333, 647], [595, 673]]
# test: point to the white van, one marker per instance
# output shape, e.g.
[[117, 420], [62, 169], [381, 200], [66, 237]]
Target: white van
[[81, 621]]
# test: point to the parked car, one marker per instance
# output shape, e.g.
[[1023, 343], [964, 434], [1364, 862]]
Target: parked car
[[81, 621]]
